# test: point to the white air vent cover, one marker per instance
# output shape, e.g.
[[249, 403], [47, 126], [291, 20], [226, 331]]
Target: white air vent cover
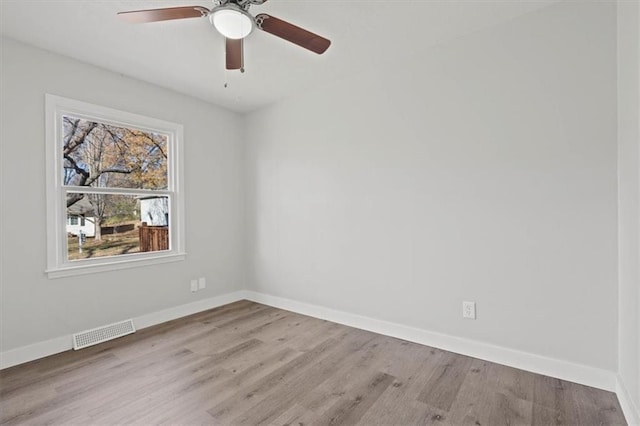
[[102, 334]]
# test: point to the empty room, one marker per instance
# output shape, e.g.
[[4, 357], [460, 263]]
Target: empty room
[[313, 212]]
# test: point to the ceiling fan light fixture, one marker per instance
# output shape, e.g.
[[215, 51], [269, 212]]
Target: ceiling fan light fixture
[[232, 22]]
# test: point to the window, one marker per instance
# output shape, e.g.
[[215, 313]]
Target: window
[[113, 189]]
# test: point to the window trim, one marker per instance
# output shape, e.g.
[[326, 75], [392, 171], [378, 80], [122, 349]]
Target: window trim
[[56, 214]]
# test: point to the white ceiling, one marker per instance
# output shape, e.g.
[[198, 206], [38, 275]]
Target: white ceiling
[[188, 55]]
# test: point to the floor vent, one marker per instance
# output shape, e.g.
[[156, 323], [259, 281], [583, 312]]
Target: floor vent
[[102, 334]]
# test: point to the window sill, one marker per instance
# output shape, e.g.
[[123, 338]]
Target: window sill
[[115, 265]]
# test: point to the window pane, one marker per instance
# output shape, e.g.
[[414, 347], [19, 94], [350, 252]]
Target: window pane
[[103, 155], [114, 225]]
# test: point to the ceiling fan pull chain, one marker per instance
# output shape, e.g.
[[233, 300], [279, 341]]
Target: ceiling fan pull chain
[[226, 74]]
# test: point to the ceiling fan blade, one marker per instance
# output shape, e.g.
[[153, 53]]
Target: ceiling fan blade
[[166, 14], [292, 33], [235, 57]]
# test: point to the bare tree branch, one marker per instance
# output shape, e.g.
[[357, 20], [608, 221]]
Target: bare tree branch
[[77, 138]]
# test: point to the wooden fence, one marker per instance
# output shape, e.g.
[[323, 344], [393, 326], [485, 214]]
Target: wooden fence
[[153, 238], [108, 230]]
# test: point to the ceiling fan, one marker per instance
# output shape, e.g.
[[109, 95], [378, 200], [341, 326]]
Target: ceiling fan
[[232, 19]]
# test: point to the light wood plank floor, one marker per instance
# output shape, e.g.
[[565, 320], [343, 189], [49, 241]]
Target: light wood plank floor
[[249, 364]]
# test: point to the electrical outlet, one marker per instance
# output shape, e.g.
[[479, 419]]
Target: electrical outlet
[[202, 283], [194, 286], [469, 310]]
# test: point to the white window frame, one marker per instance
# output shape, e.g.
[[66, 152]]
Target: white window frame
[[57, 263]]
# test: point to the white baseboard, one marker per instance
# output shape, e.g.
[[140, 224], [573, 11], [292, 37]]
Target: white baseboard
[[35, 351], [577, 373], [176, 312], [64, 343], [565, 370], [629, 408]]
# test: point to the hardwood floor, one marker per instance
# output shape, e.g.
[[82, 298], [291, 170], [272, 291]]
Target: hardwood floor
[[249, 364]]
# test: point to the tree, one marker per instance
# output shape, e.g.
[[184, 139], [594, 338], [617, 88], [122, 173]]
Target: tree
[[101, 155]]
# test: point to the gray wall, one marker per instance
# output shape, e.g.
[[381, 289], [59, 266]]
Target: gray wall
[[629, 196], [483, 169], [35, 308]]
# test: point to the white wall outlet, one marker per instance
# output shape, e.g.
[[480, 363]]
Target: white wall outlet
[[202, 283], [194, 286], [469, 310]]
